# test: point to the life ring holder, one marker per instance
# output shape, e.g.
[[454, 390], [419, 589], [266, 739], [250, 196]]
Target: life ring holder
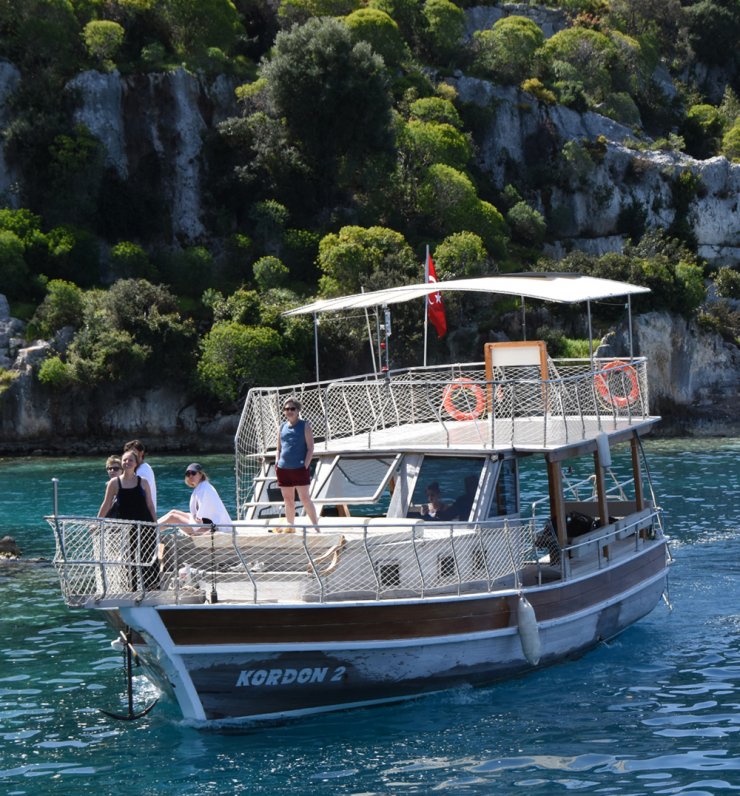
[[448, 399], [602, 385]]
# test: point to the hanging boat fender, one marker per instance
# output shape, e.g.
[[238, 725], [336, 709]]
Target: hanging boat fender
[[602, 446], [529, 634]]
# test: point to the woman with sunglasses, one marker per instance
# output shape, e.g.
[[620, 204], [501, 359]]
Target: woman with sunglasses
[[131, 492], [133, 500], [113, 466], [294, 454], [206, 507]]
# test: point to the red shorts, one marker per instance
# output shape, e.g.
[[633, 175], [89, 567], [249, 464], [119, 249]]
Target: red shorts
[[293, 476]]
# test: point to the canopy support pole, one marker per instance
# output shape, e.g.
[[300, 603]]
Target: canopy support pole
[[316, 342], [426, 305], [629, 323], [524, 320], [370, 338], [590, 335]]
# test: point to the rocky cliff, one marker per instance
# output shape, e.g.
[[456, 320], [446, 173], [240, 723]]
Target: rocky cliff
[[151, 127], [694, 381]]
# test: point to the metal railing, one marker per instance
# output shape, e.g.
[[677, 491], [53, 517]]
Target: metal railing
[[105, 562], [579, 399]]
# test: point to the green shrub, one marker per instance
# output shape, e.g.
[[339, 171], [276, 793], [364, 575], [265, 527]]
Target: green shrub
[[722, 318], [527, 224], [536, 88], [236, 357], [448, 199], [506, 51], [242, 306], [702, 130], [727, 281], [62, 306], [130, 261], [622, 108], [461, 255], [445, 27], [731, 142], [270, 272], [103, 38], [55, 373], [6, 379], [436, 110], [380, 32], [291, 12], [364, 257], [407, 14], [429, 142], [14, 273], [193, 27]]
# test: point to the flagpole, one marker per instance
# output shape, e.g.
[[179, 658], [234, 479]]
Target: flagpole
[[426, 304]]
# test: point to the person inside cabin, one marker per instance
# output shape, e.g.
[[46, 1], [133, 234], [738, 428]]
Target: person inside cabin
[[463, 504], [294, 454], [128, 497], [435, 507], [207, 510], [144, 469]]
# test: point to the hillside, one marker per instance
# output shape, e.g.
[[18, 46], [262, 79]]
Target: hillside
[[173, 175]]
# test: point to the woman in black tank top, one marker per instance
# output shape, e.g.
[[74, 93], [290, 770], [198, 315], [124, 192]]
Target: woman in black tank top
[[134, 500]]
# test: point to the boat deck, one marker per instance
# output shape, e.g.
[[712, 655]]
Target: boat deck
[[533, 434]]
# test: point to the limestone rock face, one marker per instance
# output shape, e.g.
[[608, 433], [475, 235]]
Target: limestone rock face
[[10, 78], [694, 377], [587, 210], [151, 127]]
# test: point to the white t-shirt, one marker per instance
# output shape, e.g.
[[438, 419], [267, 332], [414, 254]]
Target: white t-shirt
[[206, 503], [145, 471]]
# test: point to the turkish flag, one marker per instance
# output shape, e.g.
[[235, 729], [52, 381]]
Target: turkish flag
[[435, 305]]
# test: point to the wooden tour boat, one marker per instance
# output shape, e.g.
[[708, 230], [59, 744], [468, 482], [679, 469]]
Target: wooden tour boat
[[551, 540]]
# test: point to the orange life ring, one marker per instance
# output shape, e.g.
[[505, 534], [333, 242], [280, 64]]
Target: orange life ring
[[602, 384], [448, 399]]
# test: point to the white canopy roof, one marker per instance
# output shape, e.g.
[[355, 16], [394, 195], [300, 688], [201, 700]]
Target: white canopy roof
[[563, 288]]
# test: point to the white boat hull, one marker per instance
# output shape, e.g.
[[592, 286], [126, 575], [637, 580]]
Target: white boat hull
[[287, 676]]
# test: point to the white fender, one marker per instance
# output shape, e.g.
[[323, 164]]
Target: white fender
[[529, 634], [602, 445]]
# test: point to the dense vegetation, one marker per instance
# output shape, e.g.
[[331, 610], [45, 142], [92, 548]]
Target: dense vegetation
[[349, 154]]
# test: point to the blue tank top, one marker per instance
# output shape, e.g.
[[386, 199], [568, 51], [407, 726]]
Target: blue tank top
[[293, 446]]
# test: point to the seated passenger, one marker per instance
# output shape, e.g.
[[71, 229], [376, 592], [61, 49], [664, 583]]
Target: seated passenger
[[206, 507], [460, 509], [435, 507]]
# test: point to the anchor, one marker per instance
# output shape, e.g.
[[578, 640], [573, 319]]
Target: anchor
[[130, 655]]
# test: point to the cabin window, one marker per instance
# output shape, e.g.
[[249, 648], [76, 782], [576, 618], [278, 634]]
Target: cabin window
[[354, 481], [389, 576], [505, 500], [447, 567], [456, 478], [478, 563]]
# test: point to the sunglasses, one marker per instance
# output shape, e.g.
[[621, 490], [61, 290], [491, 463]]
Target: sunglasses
[[114, 469], [190, 473], [290, 409]]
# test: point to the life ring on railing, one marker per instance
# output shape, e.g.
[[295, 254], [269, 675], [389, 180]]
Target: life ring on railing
[[448, 399], [624, 371]]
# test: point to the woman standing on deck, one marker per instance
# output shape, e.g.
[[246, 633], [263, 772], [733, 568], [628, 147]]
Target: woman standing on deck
[[133, 499], [294, 454]]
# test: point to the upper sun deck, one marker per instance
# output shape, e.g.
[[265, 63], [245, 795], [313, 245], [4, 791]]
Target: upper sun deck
[[476, 407]]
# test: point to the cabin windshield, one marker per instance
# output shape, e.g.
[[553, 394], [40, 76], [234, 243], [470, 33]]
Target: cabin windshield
[[355, 480], [450, 484]]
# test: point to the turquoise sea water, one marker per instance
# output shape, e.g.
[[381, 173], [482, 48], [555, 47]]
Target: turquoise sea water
[[655, 712]]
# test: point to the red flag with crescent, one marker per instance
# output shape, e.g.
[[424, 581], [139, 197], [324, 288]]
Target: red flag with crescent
[[435, 305]]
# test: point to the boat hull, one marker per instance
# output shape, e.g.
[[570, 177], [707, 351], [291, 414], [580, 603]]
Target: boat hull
[[274, 661]]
